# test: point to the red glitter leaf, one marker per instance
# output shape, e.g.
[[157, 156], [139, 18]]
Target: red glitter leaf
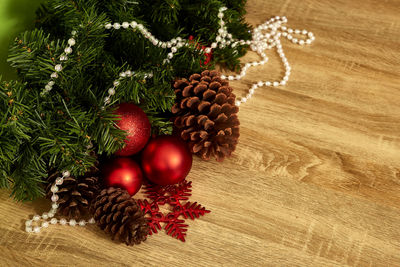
[[172, 195], [175, 227], [163, 194], [155, 222], [190, 210]]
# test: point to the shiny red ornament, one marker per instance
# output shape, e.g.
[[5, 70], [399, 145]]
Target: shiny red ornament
[[137, 124], [166, 160], [124, 173]]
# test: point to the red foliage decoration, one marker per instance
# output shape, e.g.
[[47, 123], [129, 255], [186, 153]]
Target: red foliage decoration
[[173, 195], [202, 47]]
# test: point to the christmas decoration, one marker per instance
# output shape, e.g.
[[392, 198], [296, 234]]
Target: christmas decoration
[[124, 173], [166, 160], [69, 62], [206, 115], [75, 194], [119, 215], [84, 59], [135, 122], [174, 221], [202, 47]]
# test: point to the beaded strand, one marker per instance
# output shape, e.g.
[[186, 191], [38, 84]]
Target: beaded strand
[[47, 218], [260, 42], [59, 67], [117, 82], [274, 28]]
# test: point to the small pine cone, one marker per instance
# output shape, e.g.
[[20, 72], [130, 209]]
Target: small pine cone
[[75, 194], [205, 115], [118, 214]]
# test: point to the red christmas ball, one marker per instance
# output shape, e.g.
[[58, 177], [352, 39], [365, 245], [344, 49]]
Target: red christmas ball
[[135, 122], [166, 160], [124, 173]]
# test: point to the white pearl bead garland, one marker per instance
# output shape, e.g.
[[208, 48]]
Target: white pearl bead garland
[[117, 82], [260, 42], [59, 67], [47, 218], [174, 44]]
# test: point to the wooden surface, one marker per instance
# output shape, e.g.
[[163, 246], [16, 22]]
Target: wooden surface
[[315, 180]]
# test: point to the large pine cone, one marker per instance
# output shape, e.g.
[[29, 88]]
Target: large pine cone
[[75, 194], [206, 115], [119, 215]]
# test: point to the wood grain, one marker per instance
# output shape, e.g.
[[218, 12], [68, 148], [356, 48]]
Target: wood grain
[[315, 180]]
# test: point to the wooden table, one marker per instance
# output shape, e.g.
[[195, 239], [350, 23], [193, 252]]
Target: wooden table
[[315, 180]]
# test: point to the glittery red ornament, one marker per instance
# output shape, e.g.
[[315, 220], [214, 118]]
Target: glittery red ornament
[[166, 160], [124, 173], [135, 122]]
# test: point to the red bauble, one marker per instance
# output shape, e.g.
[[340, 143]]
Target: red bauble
[[166, 160], [135, 122], [124, 173]]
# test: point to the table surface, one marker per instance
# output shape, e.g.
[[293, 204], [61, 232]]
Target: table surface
[[315, 180]]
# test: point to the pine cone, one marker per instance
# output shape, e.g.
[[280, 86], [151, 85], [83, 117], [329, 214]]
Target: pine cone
[[206, 115], [75, 194], [119, 215]]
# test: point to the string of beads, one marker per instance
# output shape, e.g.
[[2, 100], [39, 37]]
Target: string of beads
[[265, 36], [43, 221]]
